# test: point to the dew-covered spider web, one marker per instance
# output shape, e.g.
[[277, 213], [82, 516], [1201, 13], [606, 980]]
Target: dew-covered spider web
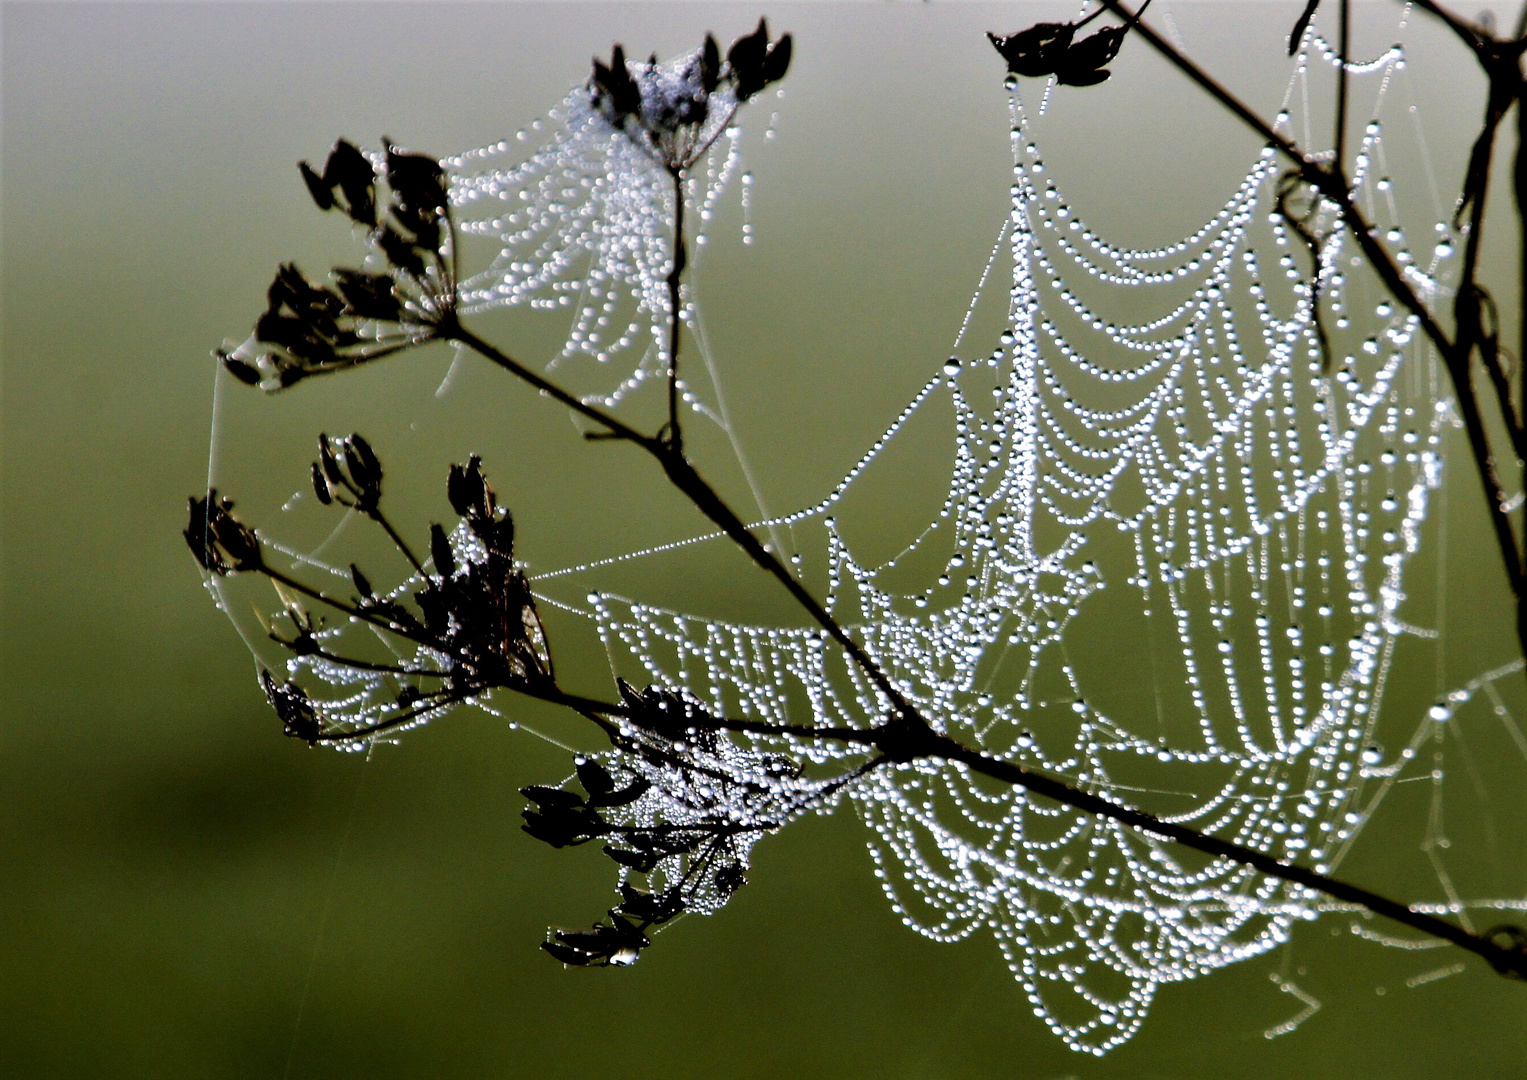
[[585, 225], [1158, 467]]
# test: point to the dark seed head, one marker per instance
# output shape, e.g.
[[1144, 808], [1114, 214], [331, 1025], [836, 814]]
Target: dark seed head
[[221, 543]]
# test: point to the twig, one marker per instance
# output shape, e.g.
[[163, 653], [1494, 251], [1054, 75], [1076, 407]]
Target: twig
[[675, 283], [1342, 52]]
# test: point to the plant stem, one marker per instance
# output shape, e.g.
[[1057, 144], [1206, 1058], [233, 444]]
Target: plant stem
[[1520, 185], [1509, 962], [348, 609], [1342, 52], [460, 334], [903, 744], [705, 499], [675, 285], [375, 514]]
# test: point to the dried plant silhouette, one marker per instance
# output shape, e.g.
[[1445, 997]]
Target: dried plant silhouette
[[688, 786]]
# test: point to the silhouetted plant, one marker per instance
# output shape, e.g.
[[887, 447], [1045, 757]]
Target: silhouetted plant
[[677, 802]]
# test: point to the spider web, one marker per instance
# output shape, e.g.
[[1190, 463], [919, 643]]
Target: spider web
[[584, 226], [1268, 508], [1151, 450]]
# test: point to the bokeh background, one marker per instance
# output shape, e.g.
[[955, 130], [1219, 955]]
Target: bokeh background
[[184, 893]]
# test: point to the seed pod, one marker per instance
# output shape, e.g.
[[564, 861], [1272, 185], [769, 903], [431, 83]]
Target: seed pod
[[246, 373], [352, 172], [365, 470], [778, 60], [321, 486], [594, 777], [710, 64], [440, 552], [329, 462], [468, 491], [323, 194]]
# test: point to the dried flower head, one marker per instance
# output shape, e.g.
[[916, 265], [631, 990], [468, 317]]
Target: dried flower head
[[675, 111], [299, 718], [347, 471], [221, 543], [463, 624], [408, 296], [1053, 49], [586, 223]]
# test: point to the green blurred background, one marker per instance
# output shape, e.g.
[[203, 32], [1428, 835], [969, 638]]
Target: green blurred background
[[183, 893]]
